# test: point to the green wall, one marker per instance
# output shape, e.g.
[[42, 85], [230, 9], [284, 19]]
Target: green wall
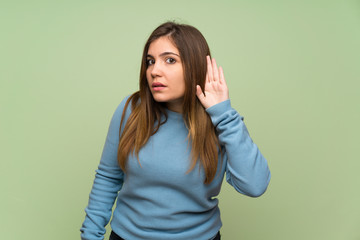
[[293, 71]]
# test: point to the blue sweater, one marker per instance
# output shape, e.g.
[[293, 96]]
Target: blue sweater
[[157, 199]]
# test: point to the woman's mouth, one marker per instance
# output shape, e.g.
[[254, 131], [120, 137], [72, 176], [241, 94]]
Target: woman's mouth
[[157, 86]]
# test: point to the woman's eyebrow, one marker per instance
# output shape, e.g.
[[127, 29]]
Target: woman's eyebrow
[[169, 53], [163, 54]]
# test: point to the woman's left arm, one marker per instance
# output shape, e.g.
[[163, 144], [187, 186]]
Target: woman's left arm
[[247, 169]]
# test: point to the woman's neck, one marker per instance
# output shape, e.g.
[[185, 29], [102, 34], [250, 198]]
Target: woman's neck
[[174, 106]]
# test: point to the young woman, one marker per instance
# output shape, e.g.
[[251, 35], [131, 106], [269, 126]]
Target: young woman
[[169, 146]]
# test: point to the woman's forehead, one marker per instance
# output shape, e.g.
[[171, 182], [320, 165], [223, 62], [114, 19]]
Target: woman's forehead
[[161, 45]]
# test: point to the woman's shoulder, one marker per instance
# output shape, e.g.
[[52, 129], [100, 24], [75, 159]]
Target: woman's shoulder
[[125, 102]]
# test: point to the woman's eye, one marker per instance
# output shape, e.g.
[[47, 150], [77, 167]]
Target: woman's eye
[[150, 62], [170, 60]]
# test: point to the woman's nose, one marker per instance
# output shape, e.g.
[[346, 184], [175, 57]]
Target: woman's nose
[[156, 70]]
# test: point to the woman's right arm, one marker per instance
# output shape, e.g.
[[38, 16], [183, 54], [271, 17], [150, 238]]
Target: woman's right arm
[[108, 181]]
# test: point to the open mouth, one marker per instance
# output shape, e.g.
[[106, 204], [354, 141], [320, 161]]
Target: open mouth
[[158, 86]]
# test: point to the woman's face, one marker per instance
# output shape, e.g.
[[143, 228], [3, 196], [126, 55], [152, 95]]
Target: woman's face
[[165, 74]]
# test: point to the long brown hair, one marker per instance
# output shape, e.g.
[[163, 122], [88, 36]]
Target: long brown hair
[[140, 125]]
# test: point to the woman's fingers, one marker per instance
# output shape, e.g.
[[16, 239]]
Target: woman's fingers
[[209, 69], [222, 77], [215, 89], [200, 94], [215, 70]]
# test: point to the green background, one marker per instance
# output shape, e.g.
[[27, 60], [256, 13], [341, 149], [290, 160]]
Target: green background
[[293, 71]]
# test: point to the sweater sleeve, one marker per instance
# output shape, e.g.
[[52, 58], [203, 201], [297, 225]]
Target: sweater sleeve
[[246, 168], [108, 181]]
